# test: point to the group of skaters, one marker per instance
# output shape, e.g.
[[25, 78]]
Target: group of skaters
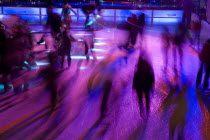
[[177, 41], [16, 49], [16, 52], [17, 43]]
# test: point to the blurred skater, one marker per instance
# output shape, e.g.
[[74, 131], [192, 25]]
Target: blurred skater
[[143, 81], [64, 49], [205, 64], [66, 14], [141, 24], [47, 26], [166, 42], [87, 10]]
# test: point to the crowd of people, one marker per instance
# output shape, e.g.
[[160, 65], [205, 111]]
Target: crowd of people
[[16, 45]]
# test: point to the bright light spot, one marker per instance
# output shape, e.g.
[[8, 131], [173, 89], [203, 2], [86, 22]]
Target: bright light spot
[[34, 68], [100, 57], [43, 43], [78, 57], [84, 57], [1, 87], [98, 16], [99, 44], [99, 38], [42, 63], [91, 22], [80, 40], [82, 68], [25, 62], [35, 32], [97, 50]]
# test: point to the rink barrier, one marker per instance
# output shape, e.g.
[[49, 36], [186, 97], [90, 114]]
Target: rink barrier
[[38, 15]]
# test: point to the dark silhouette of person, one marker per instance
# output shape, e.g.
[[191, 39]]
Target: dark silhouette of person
[[133, 28], [166, 41], [188, 8], [48, 23], [65, 48], [196, 27], [3, 38], [205, 63], [87, 10], [143, 81], [98, 4], [50, 74], [180, 36], [3, 70], [141, 24], [178, 118], [56, 24], [15, 53]]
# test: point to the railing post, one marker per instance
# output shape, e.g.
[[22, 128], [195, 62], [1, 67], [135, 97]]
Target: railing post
[[115, 18], [152, 17], [208, 11], [40, 15]]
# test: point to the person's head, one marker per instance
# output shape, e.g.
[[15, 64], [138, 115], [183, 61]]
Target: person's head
[[65, 2], [208, 41], [134, 15], [142, 16]]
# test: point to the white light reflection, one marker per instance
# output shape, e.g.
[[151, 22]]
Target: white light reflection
[[84, 57], [43, 43], [98, 44], [83, 68], [99, 38], [42, 63]]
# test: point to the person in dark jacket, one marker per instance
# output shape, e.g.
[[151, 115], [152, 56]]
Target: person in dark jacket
[[133, 28], [141, 23], [2, 39], [143, 81], [179, 39], [205, 63], [65, 48], [87, 10]]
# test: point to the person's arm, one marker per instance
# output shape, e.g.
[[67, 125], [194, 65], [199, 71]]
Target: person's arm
[[62, 12], [72, 9]]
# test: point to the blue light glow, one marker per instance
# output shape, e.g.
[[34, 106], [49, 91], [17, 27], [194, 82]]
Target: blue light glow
[[89, 23], [1, 87], [168, 13], [43, 43], [80, 40], [166, 21], [21, 10], [97, 50], [42, 63], [25, 62]]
